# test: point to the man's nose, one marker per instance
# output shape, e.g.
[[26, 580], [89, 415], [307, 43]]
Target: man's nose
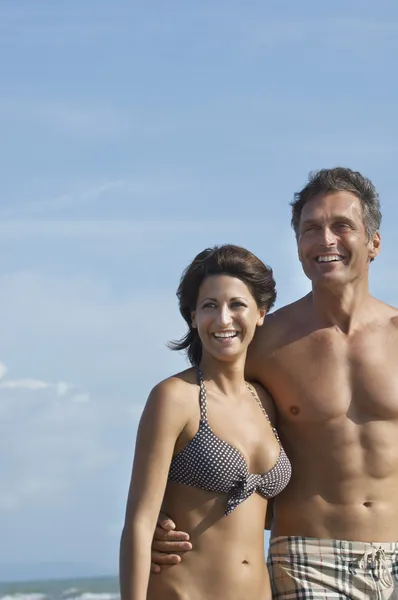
[[328, 237]]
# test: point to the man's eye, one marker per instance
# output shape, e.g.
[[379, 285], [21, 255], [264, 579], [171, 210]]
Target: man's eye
[[342, 225]]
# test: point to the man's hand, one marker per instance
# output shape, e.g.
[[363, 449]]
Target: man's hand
[[165, 541]]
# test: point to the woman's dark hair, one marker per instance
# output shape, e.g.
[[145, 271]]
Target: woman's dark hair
[[220, 260]]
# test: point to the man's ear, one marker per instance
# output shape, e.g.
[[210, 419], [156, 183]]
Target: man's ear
[[374, 245]]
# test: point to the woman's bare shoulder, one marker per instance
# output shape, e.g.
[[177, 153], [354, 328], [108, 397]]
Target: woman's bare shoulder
[[175, 390], [179, 382]]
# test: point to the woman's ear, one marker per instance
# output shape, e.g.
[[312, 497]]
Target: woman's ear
[[193, 319], [261, 316]]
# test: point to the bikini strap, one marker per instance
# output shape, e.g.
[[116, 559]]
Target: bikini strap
[[202, 395], [253, 390]]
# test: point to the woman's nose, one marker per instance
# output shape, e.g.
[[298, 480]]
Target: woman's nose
[[224, 316]]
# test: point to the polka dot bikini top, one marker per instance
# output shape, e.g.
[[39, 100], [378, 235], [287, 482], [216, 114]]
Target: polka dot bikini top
[[209, 463]]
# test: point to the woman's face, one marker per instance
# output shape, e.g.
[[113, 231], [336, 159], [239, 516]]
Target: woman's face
[[226, 316]]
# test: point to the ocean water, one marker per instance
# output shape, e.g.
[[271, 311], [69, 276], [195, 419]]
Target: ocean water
[[98, 588]]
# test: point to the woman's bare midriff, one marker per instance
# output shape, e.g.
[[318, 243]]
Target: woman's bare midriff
[[227, 557], [200, 577]]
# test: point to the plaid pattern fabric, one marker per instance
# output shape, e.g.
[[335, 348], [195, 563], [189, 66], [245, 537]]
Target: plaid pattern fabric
[[314, 569]]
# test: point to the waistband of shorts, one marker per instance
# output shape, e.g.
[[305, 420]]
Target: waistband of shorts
[[297, 544]]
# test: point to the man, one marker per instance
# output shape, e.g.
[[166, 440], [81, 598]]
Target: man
[[330, 361]]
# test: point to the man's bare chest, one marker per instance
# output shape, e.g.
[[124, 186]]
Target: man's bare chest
[[322, 377]]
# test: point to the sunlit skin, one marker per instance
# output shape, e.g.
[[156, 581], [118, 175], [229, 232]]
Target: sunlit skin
[[228, 561], [334, 228], [225, 305], [329, 361]]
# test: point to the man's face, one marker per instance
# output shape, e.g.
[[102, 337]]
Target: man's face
[[332, 243]]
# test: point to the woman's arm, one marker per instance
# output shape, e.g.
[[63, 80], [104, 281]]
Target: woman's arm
[[165, 416]]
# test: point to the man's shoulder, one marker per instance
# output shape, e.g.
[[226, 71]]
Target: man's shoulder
[[393, 316], [286, 316], [386, 313], [279, 324], [289, 310]]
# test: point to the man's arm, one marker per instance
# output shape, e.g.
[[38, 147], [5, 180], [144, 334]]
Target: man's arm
[[166, 541]]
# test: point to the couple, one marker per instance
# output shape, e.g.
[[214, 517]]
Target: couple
[[330, 363]]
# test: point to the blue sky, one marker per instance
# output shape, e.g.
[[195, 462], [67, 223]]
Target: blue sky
[[135, 134]]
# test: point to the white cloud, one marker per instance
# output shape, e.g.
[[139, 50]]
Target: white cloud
[[24, 384], [60, 388], [81, 398], [3, 370]]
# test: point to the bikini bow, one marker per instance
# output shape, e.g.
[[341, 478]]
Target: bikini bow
[[244, 487]]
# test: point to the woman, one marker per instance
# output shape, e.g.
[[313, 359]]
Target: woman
[[206, 449]]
